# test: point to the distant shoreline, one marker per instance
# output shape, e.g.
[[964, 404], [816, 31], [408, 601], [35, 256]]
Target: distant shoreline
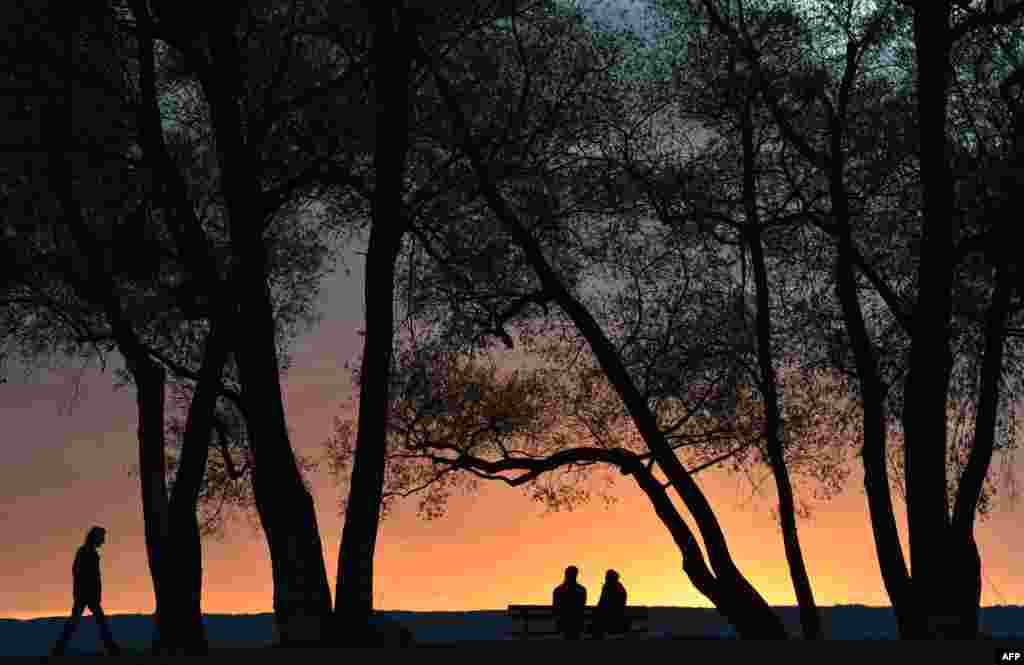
[[476, 611], [700, 627]]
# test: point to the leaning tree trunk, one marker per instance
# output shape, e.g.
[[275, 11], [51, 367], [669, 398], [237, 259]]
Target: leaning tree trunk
[[888, 549], [354, 588], [302, 601], [886, 536], [968, 592], [730, 593], [810, 618], [965, 591], [184, 583], [737, 599], [302, 598]]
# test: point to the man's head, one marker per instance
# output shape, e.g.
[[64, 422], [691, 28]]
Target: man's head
[[611, 576], [96, 536], [571, 573]]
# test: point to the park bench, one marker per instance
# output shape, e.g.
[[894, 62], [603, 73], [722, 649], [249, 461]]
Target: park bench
[[543, 618]]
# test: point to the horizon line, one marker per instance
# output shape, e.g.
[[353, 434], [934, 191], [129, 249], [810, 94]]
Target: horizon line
[[111, 614]]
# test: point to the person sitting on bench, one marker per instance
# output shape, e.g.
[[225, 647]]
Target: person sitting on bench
[[610, 614], [569, 599]]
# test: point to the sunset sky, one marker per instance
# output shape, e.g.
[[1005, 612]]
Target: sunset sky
[[67, 463], [69, 450]]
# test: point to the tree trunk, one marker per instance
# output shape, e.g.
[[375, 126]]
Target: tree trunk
[[748, 610], [176, 623], [731, 594], [925, 394], [354, 587], [968, 596], [810, 619], [150, 383], [185, 579], [961, 620], [740, 601], [302, 602], [965, 592], [888, 548]]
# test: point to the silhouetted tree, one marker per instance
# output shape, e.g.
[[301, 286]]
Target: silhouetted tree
[[108, 260], [310, 122], [736, 185], [93, 232], [949, 231], [255, 179], [518, 209]]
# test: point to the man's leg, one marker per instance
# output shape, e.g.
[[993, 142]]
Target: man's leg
[[105, 634], [69, 629]]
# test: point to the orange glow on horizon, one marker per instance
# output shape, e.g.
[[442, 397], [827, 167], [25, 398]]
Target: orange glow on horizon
[[467, 560], [72, 470]]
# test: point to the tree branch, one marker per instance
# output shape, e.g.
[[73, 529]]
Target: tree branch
[[986, 19], [744, 45], [222, 438], [182, 222], [534, 467], [184, 372], [886, 292], [308, 96]]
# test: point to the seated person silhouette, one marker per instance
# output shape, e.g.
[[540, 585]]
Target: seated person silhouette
[[610, 614], [87, 590], [568, 601]]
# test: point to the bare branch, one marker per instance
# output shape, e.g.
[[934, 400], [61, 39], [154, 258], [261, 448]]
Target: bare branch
[[184, 372]]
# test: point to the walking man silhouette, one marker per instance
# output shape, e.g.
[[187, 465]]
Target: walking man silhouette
[[87, 591]]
